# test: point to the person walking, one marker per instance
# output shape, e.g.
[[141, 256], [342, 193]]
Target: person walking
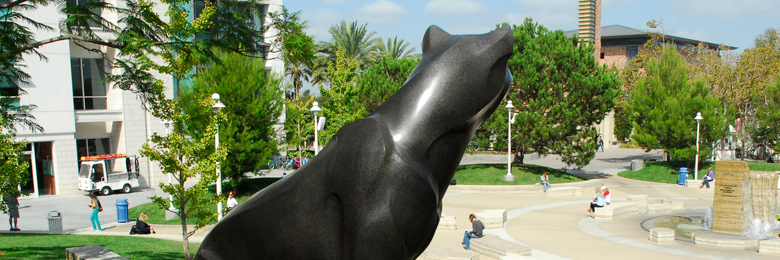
[[13, 211], [601, 144], [545, 181], [476, 231], [96, 208]]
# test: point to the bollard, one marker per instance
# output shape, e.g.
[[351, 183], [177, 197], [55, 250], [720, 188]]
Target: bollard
[[121, 211], [55, 221]]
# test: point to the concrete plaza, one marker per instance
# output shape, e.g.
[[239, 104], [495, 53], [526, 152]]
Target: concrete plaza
[[554, 227]]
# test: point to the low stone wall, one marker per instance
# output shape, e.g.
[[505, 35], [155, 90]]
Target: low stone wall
[[495, 247], [492, 218], [91, 252], [661, 235], [438, 252]]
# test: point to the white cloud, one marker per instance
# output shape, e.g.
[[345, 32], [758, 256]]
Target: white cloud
[[381, 11], [453, 7], [320, 21]]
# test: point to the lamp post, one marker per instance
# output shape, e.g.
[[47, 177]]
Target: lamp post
[[696, 167], [315, 108], [509, 176], [167, 124], [216, 108]]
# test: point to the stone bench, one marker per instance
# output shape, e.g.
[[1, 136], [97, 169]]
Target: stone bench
[[769, 246], [639, 200], [447, 222], [439, 252], [658, 209], [492, 218], [497, 248], [616, 210], [676, 204], [91, 252], [661, 235], [697, 183], [724, 241], [564, 192]]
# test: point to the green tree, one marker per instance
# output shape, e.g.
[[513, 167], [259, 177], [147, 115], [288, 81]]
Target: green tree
[[340, 101], [296, 46], [560, 93], [13, 163], [355, 41], [299, 125], [381, 80], [192, 163], [394, 49], [253, 104], [663, 105], [767, 130]]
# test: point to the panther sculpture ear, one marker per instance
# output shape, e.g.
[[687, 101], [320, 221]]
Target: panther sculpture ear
[[434, 38]]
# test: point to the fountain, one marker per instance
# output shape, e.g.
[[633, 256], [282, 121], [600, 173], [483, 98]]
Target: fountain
[[745, 201], [743, 215]]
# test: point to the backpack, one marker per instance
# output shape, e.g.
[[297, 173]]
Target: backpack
[[100, 206]]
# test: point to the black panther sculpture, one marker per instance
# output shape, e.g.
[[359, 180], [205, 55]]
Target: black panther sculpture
[[375, 191]]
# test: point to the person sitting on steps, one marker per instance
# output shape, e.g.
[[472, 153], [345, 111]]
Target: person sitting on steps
[[141, 227], [476, 231]]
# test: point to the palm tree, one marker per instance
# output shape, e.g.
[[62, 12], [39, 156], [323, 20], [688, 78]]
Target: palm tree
[[394, 49], [357, 43]]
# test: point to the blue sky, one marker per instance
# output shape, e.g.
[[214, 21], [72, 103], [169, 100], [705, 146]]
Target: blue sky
[[730, 22]]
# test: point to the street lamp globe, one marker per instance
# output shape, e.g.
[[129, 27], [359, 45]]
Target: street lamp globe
[[315, 108]]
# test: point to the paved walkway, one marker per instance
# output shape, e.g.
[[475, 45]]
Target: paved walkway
[[556, 228]]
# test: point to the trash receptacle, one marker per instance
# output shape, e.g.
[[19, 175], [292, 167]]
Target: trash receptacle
[[55, 221], [683, 176], [121, 211]]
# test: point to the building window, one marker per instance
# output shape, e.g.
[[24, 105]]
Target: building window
[[602, 55], [89, 91], [91, 147], [631, 52], [8, 90]]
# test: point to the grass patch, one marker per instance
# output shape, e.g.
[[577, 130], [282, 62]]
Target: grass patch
[[667, 172], [493, 174], [244, 188], [31, 246]]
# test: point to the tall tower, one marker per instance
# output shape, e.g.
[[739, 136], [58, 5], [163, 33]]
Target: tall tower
[[590, 24]]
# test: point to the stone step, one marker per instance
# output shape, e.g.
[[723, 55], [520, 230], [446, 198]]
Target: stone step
[[495, 247], [91, 253], [439, 252]]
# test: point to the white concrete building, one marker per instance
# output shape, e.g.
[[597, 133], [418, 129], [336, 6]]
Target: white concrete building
[[83, 116]]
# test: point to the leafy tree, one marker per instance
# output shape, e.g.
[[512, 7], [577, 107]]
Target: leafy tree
[[355, 41], [663, 104], [192, 163], [299, 125], [297, 47], [767, 130], [340, 102], [381, 80], [394, 49], [13, 163], [560, 93], [253, 103]]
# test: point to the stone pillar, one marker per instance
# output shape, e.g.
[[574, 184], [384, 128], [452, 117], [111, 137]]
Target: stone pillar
[[742, 197]]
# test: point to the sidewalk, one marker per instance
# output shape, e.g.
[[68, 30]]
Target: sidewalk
[[556, 228]]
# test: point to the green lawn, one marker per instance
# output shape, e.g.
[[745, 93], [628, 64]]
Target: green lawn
[[493, 174], [245, 189], [30, 246], [667, 172]]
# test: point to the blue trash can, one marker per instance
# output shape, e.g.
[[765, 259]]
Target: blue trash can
[[121, 211], [683, 176]]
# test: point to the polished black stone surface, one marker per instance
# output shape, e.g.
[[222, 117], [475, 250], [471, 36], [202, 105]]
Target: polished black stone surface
[[375, 191]]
